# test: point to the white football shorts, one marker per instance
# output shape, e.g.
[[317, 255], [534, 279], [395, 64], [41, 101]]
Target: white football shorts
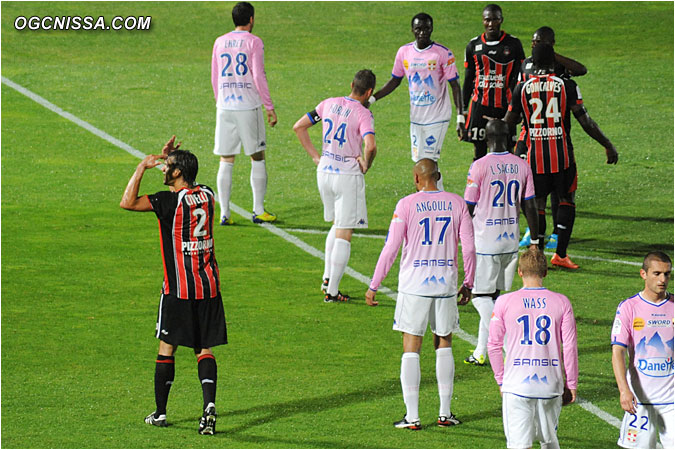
[[414, 312], [234, 128], [494, 272], [426, 141], [640, 430], [529, 419], [344, 199]]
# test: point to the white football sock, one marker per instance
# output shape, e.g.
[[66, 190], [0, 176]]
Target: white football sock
[[330, 241], [338, 262], [258, 185], [224, 182], [484, 306], [410, 384], [445, 376]]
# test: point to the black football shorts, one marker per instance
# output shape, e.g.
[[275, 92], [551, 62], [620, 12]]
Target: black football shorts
[[196, 324]]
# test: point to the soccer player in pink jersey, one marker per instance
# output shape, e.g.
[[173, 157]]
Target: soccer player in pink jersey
[[535, 373], [429, 224], [240, 88], [428, 66], [497, 186], [643, 325], [347, 126]]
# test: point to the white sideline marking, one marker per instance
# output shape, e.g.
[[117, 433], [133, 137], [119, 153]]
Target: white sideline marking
[[379, 236], [585, 404]]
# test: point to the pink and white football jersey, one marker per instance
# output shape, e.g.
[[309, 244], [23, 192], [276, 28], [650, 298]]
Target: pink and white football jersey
[[646, 329], [345, 123], [536, 323], [238, 72], [428, 72], [497, 184], [430, 225]]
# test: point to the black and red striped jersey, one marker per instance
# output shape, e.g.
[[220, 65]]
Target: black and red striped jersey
[[492, 69], [186, 234], [545, 103]]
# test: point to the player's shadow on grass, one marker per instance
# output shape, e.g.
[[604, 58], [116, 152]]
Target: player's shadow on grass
[[267, 413]]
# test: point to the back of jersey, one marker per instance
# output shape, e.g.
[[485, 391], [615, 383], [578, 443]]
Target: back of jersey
[[545, 103], [345, 123], [536, 322], [497, 184], [233, 57]]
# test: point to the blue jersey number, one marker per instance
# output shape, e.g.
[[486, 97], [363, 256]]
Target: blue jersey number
[[240, 68], [339, 135], [427, 229], [643, 426], [512, 190], [541, 336]]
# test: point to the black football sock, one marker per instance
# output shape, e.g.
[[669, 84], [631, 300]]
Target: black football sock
[[165, 370], [541, 215], [555, 203], [566, 215], [208, 376]]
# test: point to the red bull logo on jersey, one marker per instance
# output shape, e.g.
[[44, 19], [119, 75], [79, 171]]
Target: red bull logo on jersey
[[656, 367]]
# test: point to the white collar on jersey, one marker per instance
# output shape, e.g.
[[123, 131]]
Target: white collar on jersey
[[422, 49]]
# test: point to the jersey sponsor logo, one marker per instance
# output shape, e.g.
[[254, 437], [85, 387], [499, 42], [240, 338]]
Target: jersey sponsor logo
[[451, 59], [658, 367], [479, 47], [405, 64], [433, 205], [420, 90], [430, 141], [433, 263], [659, 323], [506, 221], [236, 85], [337, 157], [536, 362], [638, 323], [197, 247], [491, 81], [547, 132], [471, 183], [396, 219]]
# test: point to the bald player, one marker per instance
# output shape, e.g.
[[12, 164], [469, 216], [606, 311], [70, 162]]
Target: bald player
[[429, 224]]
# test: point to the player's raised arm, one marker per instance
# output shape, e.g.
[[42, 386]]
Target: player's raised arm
[[301, 128], [575, 68], [130, 199]]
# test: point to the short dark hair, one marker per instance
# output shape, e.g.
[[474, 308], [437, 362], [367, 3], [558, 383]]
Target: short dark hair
[[493, 7], [363, 80], [543, 55], [187, 163], [655, 256], [546, 32], [242, 13], [422, 17]]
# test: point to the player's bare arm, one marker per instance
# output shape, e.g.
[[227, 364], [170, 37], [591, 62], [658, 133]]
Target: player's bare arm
[[369, 152], [388, 88], [301, 128], [459, 106], [130, 200], [575, 68], [464, 295], [593, 130], [530, 213], [626, 397]]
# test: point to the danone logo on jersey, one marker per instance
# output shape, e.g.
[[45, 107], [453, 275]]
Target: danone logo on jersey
[[656, 367]]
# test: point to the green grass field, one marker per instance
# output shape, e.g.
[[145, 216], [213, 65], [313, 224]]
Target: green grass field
[[81, 277]]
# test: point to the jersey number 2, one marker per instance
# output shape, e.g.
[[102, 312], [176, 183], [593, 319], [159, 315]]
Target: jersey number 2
[[199, 230]]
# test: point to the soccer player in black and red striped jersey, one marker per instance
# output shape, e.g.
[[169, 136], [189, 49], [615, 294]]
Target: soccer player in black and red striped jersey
[[492, 63], [190, 309], [546, 103]]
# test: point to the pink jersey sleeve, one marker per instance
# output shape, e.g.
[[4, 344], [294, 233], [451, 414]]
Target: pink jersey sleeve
[[214, 71], [259, 77], [398, 71], [621, 329], [366, 122], [496, 341], [397, 230], [472, 190], [468, 246], [449, 68], [568, 330]]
